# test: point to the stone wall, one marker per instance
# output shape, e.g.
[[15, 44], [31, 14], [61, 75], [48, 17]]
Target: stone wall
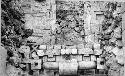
[[40, 17]]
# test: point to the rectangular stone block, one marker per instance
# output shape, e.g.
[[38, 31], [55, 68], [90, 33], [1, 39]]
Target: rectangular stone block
[[71, 47], [86, 58], [40, 52], [36, 64], [80, 46], [76, 57], [42, 47], [96, 46], [57, 46], [44, 59], [56, 52], [97, 51], [51, 59], [85, 51], [59, 59], [50, 47], [68, 51]]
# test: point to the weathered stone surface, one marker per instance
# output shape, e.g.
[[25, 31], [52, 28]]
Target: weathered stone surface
[[57, 46], [85, 51], [40, 40], [68, 51], [42, 47], [100, 64], [98, 51], [123, 37], [68, 68], [86, 58], [3, 56], [40, 53], [36, 64], [96, 46], [51, 59]]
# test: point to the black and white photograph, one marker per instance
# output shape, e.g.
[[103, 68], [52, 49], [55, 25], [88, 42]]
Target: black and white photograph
[[62, 38]]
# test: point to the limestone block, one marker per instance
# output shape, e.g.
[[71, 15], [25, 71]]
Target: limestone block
[[86, 65], [24, 49], [77, 57], [57, 46], [45, 59], [96, 46], [49, 53], [68, 51], [86, 58], [59, 59], [42, 47], [40, 52], [64, 51], [98, 51], [51, 59], [74, 51], [51, 65], [52, 52], [86, 51], [80, 46], [36, 64], [93, 58], [56, 52], [34, 55], [120, 59], [71, 47], [89, 45], [100, 63], [120, 56], [68, 68], [50, 47]]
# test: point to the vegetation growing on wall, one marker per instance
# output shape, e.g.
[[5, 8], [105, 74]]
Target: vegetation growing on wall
[[12, 26]]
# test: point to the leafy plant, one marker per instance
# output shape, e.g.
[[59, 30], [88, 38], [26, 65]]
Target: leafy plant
[[12, 25]]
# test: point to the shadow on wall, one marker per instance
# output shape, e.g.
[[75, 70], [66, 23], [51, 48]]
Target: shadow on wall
[[40, 0]]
